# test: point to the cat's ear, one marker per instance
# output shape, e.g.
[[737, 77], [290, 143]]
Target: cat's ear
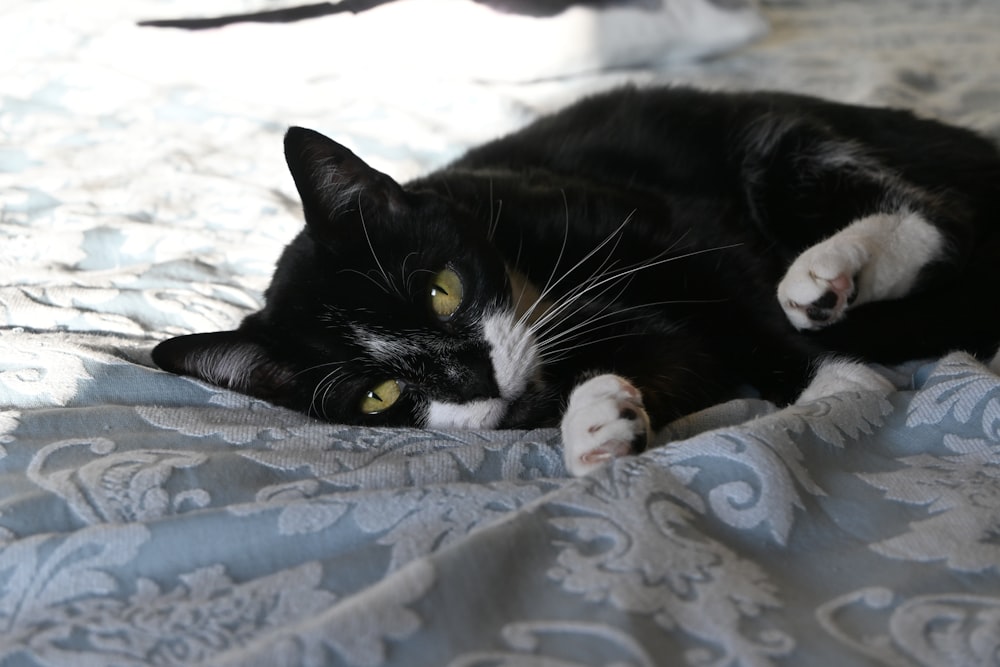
[[334, 182], [230, 359]]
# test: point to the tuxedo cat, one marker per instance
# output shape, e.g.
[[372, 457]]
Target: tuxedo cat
[[635, 257]]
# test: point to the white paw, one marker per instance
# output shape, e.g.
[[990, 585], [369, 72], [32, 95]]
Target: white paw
[[820, 283], [837, 376], [605, 419], [876, 257]]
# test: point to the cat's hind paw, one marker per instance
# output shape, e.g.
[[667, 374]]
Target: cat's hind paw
[[821, 284], [876, 257], [605, 419]]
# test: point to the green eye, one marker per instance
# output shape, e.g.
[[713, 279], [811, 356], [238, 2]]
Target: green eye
[[381, 397], [446, 293]]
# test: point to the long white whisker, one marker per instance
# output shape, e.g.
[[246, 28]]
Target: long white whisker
[[491, 229], [648, 265], [561, 310], [384, 288], [364, 227], [562, 353], [588, 326], [590, 318], [329, 381], [601, 284], [408, 277], [551, 284], [562, 249]]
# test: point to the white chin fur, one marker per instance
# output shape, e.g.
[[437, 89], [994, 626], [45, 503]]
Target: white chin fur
[[474, 414]]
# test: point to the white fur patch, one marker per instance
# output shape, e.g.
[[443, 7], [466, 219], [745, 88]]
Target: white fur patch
[[514, 359], [877, 257], [383, 347], [232, 367], [994, 364], [474, 414], [513, 352], [837, 376]]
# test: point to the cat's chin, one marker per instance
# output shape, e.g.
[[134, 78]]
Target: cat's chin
[[480, 414]]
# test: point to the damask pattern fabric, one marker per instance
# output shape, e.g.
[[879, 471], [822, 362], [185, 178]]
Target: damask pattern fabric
[[148, 519]]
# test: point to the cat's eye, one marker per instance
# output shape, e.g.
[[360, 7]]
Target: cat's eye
[[446, 293], [381, 397]]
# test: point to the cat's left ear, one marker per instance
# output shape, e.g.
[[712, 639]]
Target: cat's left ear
[[333, 182], [230, 359]]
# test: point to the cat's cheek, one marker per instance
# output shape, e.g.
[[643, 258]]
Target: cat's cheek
[[513, 352], [605, 419]]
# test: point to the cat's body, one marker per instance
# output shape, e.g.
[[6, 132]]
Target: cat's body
[[656, 250]]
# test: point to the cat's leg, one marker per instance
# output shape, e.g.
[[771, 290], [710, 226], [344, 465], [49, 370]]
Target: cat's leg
[[852, 228], [605, 419], [877, 257]]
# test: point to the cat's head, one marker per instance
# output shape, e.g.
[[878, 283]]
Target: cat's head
[[391, 307]]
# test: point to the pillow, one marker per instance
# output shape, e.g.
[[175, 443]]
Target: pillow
[[514, 40]]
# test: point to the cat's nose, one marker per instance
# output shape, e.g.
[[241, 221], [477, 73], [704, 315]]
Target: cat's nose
[[475, 380]]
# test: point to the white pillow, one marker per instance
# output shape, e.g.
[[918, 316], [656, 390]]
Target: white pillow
[[461, 38], [468, 39]]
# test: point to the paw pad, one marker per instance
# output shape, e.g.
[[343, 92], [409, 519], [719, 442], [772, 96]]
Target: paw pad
[[819, 287]]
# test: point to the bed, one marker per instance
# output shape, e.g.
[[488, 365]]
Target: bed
[[149, 519]]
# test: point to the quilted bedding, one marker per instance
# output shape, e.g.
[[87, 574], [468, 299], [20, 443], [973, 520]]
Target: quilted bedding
[[148, 519]]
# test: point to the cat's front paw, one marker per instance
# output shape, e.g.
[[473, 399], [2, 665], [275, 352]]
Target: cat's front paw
[[821, 284], [605, 419]]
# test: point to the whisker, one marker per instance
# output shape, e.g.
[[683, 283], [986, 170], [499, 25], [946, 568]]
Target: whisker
[[329, 381], [562, 249], [587, 326], [593, 317], [597, 286], [408, 283], [491, 229], [563, 353], [384, 288], [364, 227], [552, 284], [561, 310], [635, 268]]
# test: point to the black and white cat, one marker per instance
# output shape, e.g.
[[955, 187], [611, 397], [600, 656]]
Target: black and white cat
[[636, 257]]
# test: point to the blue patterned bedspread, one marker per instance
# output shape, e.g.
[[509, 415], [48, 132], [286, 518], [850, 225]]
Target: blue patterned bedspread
[[148, 519]]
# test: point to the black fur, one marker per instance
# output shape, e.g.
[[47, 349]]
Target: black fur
[[713, 195]]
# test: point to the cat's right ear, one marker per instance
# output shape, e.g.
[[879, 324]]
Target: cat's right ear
[[333, 182], [230, 359]]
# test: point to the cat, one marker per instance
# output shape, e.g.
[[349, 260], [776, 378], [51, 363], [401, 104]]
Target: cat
[[633, 258]]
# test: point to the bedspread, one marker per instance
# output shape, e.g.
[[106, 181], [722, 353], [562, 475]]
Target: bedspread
[[150, 519]]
